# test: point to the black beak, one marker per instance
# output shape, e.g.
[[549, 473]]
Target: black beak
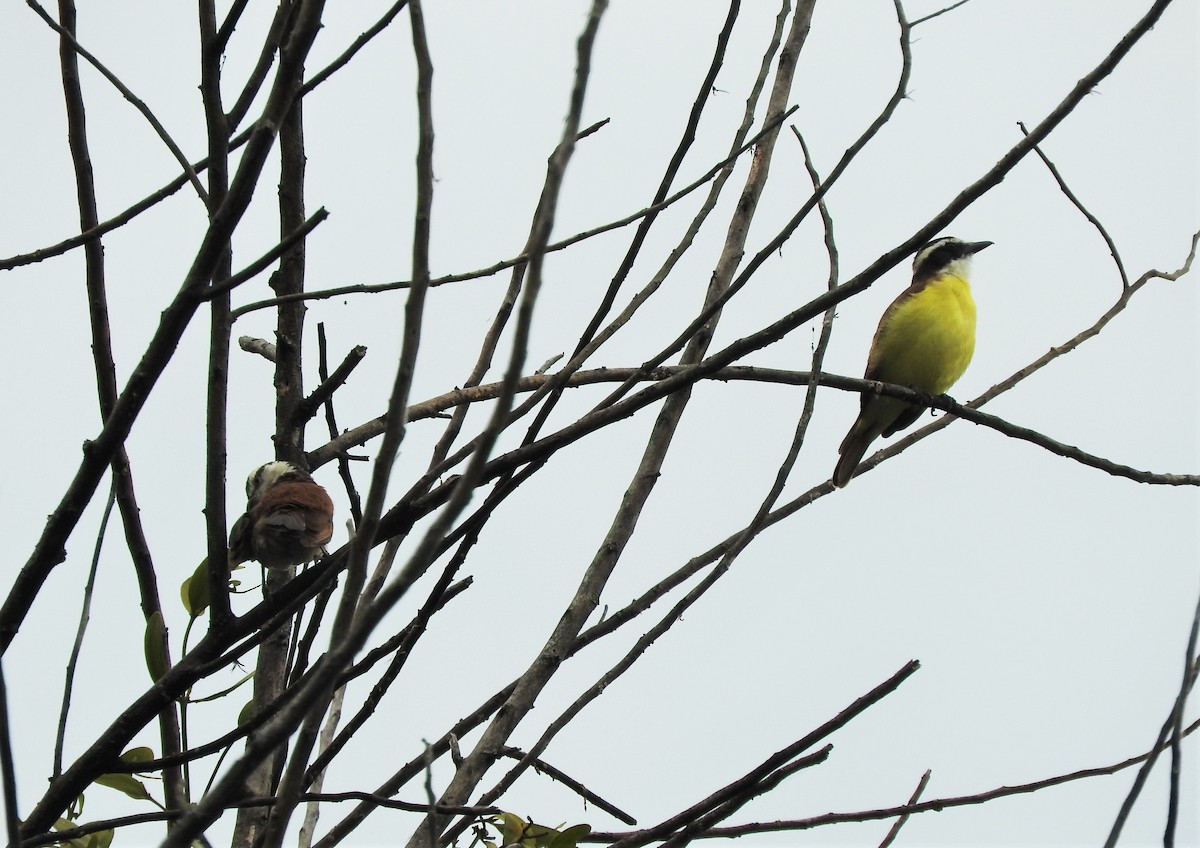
[[976, 246]]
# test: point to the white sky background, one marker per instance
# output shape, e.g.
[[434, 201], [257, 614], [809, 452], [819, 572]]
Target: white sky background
[[1049, 603]]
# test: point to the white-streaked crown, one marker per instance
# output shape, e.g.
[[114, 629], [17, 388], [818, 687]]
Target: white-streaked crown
[[266, 477]]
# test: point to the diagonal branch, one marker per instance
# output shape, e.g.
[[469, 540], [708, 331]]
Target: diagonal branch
[[49, 550], [776, 761], [159, 129]]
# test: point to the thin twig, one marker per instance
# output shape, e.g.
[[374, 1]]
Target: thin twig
[[8, 770], [343, 460], [85, 614], [675, 373], [496, 734], [364, 288], [400, 647], [343, 59], [99, 452], [414, 767], [106, 372], [159, 129], [748, 270], [266, 57], [1168, 738], [939, 12], [935, 805], [726, 808], [776, 761], [73, 833], [1191, 667], [235, 117], [894, 830], [590, 797], [282, 248], [221, 41], [668, 621], [1095, 222], [308, 407], [1054, 353], [592, 336]]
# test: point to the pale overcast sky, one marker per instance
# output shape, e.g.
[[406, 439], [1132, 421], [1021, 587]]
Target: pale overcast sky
[[1049, 603]]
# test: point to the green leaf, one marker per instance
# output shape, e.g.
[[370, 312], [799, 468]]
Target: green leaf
[[75, 810], [570, 837], [512, 827], [538, 836], [156, 646], [248, 712], [137, 755], [126, 783], [195, 592], [99, 839]]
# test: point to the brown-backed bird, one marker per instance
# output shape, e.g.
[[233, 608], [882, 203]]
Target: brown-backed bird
[[288, 519]]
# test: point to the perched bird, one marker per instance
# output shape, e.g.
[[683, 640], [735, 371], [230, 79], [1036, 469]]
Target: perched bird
[[288, 518], [924, 341]]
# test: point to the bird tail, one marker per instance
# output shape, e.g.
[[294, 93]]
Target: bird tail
[[852, 450]]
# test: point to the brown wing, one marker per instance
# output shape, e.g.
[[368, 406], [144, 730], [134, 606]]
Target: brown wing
[[304, 508], [241, 542]]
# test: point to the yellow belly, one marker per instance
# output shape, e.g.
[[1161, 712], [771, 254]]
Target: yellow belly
[[929, 339]]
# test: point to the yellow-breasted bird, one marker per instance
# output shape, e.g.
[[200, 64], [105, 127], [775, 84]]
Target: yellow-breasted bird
[[924, 341]]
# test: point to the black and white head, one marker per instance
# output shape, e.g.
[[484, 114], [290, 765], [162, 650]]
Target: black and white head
[[270, 474], [288, 518], [946, 255]]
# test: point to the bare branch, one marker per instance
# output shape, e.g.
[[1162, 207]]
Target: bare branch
[[775, 762], [894, 831], [309, 406], [1169, 737], [159, 129], [8, 772], [503, 265], [497, 732], [1095, 222], [262, 347], [331, 422], [289, 242], [85, 614], [939, 12], [748, 270], [935, 805], [590, 797]]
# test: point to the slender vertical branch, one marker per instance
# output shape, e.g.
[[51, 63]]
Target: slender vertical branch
[[66, 31], [593, 337], [8, 771], [271, 669], [344, 640], [49, 550], [488, 748], [219, 320], [288, 280], [645, 477], [102, 355], [85, 615], [343, 462], [1191, 666], [220, 325]]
